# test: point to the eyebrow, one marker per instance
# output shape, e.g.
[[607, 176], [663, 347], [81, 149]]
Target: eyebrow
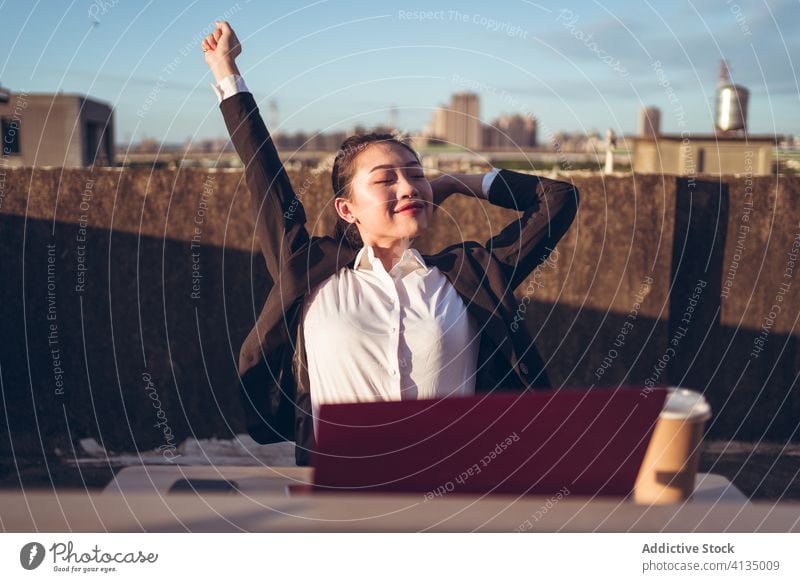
[[391, 166]]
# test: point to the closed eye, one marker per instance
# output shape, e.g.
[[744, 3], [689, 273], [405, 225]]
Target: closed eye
[[414, 177]]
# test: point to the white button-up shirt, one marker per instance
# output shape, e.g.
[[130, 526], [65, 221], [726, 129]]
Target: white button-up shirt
[[372, 335]]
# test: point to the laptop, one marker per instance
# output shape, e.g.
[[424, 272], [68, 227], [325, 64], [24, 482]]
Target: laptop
[[573, 441]]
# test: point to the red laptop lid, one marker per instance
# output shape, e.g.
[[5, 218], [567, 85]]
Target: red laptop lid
[[591, 442]]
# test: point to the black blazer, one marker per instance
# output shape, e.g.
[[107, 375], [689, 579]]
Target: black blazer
[[272, 366]]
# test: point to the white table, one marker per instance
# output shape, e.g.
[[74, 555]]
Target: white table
[[137, 501], [250, 480]]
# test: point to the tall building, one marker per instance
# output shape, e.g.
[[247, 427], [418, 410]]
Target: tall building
[[649, 122], [439, 123], [459, 122], [464, 121]]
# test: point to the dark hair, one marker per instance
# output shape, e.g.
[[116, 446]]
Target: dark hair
[[344, 168]]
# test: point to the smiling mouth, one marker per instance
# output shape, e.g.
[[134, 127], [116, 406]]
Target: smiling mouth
[[411, 208]]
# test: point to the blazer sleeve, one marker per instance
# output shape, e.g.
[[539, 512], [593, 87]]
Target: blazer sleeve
[[548, 209], [278, 213]]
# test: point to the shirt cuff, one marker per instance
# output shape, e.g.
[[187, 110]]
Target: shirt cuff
[[488, 178], [229, 86]]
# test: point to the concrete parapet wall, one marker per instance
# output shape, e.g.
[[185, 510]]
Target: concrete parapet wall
[[127, 293]]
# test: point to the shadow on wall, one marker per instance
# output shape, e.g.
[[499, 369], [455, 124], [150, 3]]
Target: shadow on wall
[[142, 356], [135, 343]]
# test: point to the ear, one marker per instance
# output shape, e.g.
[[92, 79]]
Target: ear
[[344, 209]]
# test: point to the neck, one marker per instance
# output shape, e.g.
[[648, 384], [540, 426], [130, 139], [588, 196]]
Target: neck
[[390, 252]]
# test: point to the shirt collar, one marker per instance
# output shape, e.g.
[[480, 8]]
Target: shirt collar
[[366, 258]]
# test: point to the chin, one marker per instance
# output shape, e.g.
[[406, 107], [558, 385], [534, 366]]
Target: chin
[[418, 231], [415, 228]]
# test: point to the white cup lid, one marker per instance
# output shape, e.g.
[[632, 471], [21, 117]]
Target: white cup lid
[[685, 404]]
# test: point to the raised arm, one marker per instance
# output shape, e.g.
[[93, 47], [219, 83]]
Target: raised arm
[[278, 214], [548, 209]]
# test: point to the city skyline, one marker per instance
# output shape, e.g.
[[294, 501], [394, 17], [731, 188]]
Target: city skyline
[[332, 65]]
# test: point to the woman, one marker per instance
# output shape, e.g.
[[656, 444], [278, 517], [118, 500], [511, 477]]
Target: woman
[[362, 315]]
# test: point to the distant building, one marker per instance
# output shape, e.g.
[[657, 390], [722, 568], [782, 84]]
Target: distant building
[[649, 122], [729, 150], [328, 142], [704, 154], [464, 121], [588, 142], [510, 132], [439, 123], [458, 123], [56, 130]]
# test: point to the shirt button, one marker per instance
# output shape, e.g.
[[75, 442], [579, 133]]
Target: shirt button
[[523, 368], [393, 372], [393, 329]]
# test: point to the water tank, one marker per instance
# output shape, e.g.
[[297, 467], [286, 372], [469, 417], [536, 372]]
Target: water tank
[[732, 108], [731, 104]]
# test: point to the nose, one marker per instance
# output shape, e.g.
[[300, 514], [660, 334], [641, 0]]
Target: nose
[[407, 189]]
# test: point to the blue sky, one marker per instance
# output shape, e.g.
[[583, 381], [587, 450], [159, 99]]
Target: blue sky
[[576, 66]]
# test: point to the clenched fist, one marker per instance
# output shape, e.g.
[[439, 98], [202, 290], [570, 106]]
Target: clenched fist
[[221, 48]]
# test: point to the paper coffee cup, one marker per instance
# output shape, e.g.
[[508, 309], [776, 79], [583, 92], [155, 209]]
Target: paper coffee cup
[[670, 464]]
